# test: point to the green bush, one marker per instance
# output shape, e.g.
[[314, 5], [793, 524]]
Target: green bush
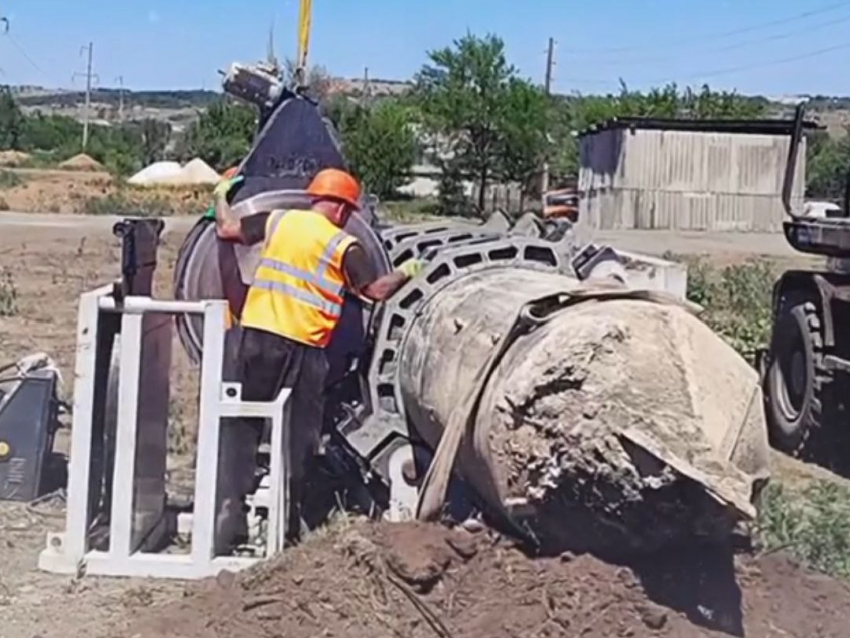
[[8, 294], [122, 204], [737, 301], [812, 525], [409, 211], [10, 179], [381, 146]]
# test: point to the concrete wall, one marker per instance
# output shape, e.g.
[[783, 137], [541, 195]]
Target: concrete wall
[[685, 180]]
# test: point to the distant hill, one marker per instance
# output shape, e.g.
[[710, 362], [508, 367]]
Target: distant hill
[[33, 97]]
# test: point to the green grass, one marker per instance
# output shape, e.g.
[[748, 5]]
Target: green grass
[[409, 211], [813, 525], [123, 205], [737, 300], [10, 179], [8, 294]]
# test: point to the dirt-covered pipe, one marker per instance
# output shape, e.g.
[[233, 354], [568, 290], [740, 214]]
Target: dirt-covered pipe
[[619, 425]]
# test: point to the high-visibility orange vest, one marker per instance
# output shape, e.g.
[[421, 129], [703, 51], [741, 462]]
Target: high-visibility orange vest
[[298, 288]]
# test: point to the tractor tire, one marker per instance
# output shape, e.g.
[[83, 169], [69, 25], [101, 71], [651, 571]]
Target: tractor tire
[[797, 381]]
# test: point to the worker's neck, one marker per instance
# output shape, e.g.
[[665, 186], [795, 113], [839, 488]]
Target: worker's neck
[[329, 211]]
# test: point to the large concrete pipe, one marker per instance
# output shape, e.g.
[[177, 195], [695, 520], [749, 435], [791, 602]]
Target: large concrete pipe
[[617, 425]]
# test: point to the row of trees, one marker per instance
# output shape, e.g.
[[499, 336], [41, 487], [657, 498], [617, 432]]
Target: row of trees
[[470, 114], [222, 136]]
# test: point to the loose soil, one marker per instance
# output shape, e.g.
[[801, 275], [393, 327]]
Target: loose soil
[[370, 581], [74, 191]]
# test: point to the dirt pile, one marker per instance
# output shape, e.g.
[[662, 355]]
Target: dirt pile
[[82, 162], [417, 581], [13, 159]]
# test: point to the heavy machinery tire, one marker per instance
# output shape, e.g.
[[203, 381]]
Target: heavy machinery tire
[[797, 379]]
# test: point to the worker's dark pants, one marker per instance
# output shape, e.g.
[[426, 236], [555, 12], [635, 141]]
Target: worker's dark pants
[[268, 363]]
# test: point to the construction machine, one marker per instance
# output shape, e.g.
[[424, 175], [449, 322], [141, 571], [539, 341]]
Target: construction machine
[[564, 392], [805, 369]]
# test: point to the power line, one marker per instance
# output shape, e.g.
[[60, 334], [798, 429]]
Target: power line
[[716, 35], [24, 53], [758, 65], [732, 47], [723, 71]]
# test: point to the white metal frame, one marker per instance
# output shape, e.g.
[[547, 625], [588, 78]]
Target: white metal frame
[[69, 553]]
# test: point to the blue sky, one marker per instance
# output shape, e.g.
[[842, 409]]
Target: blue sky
[[770, 47]]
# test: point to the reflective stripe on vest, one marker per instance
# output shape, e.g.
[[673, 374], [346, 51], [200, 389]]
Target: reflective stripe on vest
[[298, 286]]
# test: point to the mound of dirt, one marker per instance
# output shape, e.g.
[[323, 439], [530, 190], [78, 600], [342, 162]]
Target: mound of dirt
[[82, 162], [13, 159], [422, 581]]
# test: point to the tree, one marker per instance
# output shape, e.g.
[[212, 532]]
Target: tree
[[462, 93], [119, 148], [380, 146], [51, 133], [523, 141], [317, 80], [222, 136], [828, 167], [578, 112], [11, 121], [451, 197], [156, 135]]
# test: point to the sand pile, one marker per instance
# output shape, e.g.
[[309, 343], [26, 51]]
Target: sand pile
[[156, 173], [13, 159], [194, 173], [82, 162], [420, 582]]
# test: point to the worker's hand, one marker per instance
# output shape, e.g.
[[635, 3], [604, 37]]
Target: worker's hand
[[412, 267], [225, 185]]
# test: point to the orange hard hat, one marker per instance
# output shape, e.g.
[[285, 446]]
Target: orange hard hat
[[333, 183]]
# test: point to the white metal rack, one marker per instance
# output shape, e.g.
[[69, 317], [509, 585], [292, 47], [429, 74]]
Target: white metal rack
[[138, 498]]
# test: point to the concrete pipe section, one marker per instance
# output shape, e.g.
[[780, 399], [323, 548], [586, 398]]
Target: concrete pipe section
[[617, 425]]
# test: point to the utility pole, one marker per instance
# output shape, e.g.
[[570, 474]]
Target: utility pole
[[547, 87], [88, 74], [366, 88], [120, 98]]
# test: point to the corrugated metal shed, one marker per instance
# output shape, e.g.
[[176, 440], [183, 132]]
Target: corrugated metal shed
[[686, 175]]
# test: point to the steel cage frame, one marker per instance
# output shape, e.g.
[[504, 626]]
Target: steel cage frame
[[70, 552]]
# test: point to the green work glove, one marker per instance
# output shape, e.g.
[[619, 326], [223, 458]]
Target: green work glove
[[412, 267], [225, 185]]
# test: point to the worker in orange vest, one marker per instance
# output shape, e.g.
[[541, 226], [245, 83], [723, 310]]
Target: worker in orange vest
[[294, 304]]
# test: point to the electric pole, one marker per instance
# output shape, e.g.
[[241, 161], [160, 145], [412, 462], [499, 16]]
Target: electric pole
[[88, 74], [120, 98], [547, 87], [366, 87]]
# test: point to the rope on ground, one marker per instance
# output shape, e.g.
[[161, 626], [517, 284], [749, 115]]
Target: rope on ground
[[59, 495], [421, 606]]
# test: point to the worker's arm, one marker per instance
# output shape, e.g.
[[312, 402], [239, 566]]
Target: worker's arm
[[228, 226], [386, 286], [361, 278]]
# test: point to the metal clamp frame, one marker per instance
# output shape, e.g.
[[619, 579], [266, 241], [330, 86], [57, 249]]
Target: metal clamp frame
[[71, 552], [377, 437]]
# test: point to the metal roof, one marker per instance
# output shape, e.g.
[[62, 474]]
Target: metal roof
[[745, 127]]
